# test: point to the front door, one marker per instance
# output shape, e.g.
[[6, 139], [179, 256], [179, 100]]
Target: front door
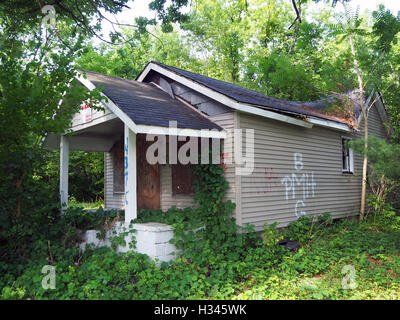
[[148, 177]]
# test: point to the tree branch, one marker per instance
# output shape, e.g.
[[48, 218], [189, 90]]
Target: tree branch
[[298, 14]]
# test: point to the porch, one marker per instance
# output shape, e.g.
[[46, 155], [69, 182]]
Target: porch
[[137, 118]]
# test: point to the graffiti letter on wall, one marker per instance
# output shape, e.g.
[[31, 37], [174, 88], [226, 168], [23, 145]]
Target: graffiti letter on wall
[[298, 161], [306, 182], [302, 213], [287, 181]]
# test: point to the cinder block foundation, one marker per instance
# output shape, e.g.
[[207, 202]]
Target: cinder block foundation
[[152, 238]]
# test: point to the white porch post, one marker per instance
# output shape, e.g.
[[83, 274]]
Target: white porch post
[[130, 175], [64, 155]]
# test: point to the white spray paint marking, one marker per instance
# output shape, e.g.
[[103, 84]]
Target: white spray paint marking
[[300, 180]]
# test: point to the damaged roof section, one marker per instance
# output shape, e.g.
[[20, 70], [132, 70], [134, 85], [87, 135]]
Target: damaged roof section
[[340, 108], [344, 108], [147, 104]]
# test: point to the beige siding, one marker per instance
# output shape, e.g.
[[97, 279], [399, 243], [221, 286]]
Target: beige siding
[[168, 200], [112, 200], [97, 116], [375, 124], [228, 121], [272, 192]]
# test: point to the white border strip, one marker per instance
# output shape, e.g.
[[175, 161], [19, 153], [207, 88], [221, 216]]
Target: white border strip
[[272, 115], [181, 132], [330, 124]]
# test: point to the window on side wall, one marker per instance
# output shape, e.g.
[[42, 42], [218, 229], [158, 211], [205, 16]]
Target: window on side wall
[[347, 157]]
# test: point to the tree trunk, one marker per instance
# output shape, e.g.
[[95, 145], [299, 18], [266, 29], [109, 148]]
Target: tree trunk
[[364, 175], [365, 118]]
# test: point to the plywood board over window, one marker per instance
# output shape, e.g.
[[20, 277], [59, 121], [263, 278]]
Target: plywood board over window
[[182, 175], [182, 179]]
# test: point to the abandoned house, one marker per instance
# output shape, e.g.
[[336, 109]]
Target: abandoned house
[[300, 164]]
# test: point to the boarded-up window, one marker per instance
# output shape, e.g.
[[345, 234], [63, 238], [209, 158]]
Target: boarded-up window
[[182, 179], [182, 175], [118, 163]]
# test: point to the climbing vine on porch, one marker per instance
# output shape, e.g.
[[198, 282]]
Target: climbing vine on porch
[[207, 233], [221, 237]]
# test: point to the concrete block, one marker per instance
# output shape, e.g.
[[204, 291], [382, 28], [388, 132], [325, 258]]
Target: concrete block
[[163, 236], [151, 239]]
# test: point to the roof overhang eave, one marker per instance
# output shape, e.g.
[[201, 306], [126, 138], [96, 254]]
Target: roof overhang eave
[[148, 129]]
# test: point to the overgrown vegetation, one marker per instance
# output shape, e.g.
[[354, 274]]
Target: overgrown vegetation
[[216, 261], [253, 43]]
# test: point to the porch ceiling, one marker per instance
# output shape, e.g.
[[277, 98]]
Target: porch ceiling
[[97, 138]]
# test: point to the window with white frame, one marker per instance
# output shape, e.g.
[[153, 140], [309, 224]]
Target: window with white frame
[[347, 157]]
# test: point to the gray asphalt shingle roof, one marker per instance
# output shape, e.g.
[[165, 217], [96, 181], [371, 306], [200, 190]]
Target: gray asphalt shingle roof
[[243, 95], [146, 104]]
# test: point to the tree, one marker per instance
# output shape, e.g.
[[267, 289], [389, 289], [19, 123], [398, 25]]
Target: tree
[[218, 30], [383, 162], [129, 59], [385, 29], [37, 71]]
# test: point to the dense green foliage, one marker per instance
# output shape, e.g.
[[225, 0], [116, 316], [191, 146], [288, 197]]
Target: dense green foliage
[[254, 272], [258, 44], [215, 262], [86, 174]]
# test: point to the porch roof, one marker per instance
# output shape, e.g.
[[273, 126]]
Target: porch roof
[[147, 104]]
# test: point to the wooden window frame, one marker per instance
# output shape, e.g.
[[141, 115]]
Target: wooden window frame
[[347, 157]]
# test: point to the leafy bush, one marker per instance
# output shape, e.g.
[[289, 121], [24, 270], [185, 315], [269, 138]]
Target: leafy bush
[[271, 235], [219, 261], [307, 228], [384, 214], [383, 162]]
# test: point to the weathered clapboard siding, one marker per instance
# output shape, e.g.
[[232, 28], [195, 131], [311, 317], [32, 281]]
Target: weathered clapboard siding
[[168, 200], [221, 115], [112, 200], [375, 125], [98, 116], [228, 121], [268, 195]]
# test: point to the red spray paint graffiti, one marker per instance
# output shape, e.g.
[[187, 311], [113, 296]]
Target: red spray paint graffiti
[[265, 181]]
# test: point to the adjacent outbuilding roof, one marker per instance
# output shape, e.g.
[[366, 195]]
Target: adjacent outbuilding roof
[[147, 104]]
